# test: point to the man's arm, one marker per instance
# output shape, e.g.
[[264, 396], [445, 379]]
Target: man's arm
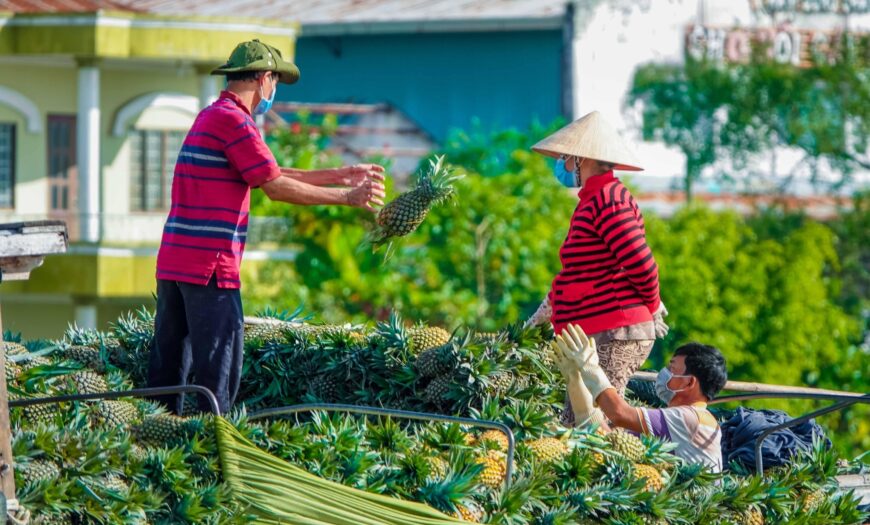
[[620, 413], [344, 176], [287, 189]]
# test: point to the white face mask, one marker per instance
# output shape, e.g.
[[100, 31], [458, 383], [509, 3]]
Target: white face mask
[[665, 392]]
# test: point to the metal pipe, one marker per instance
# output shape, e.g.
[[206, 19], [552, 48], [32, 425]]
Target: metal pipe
[[407, 414], [858, 398], [747, 386], [139, 392], [759, 461]]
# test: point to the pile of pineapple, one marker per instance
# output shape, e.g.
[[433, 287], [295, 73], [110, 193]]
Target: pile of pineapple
[[127, 461]]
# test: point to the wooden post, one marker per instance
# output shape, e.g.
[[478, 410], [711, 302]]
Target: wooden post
[[22, 248], [7, 475]]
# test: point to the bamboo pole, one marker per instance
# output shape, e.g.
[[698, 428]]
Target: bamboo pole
[[747, 386]]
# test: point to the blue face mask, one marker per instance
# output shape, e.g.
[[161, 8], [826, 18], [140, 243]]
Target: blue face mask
[[665, 392], [265, 104], [563, 175]]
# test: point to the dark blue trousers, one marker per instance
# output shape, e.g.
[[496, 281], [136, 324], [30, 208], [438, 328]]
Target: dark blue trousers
[[199, 332]]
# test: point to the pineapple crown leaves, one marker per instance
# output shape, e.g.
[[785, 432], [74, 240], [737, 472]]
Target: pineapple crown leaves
[[435, 183], [561, 515], [526, 419], [573, 471], [524, 493], [284, 315], [445, 494], [387, 434], [589, 501], [442, 436]]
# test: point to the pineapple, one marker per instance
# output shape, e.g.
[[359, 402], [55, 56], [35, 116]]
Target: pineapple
[[626, 445], [116, 413], [437, 389], [495, 437], [86, 355], [437, 361], [161, 429], [652, 476], [64, 518], [811, 499], [500, 382], [404, 214], [114, 483], [40, 413], [324, 387], [426, 338], [87, 382], [13, 348], [266, 332], [548, 449], [749, 516], [12, 371], [438, 467], [34, 362], [469, 512], [38, 470], [494, 469]]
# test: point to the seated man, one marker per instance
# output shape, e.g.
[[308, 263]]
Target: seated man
[[695, 374]]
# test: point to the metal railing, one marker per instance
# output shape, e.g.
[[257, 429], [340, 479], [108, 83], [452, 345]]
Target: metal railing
[[406, 414], [138, 392], [146, 228]]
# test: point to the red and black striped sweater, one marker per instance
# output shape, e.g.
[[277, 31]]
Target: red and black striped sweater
[[609, 278]]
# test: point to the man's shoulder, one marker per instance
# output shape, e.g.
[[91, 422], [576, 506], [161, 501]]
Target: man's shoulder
[[224, 113]]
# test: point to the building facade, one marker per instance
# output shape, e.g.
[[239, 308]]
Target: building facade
[[94, 105]]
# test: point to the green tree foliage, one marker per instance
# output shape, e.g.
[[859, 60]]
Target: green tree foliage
[[739, 112], [488, 258]]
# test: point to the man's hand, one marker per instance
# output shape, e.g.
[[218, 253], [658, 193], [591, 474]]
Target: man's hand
[[577, 347], [569, 358], [353, 176], [661, 327], [366, 195]]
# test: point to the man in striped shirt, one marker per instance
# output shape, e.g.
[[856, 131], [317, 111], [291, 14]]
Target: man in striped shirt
[[199, 326]]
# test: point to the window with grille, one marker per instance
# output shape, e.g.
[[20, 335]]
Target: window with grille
[[153, 155], [7, 165]]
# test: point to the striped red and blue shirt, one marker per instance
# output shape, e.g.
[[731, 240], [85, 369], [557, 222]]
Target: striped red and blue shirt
[[609, 278], [222, 158]]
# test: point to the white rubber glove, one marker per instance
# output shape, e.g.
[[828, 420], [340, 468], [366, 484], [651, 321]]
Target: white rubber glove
[[578, 348], [582, 404], [542, 315], [661, 327]]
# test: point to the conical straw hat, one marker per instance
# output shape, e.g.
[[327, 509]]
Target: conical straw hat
[[590, 137]]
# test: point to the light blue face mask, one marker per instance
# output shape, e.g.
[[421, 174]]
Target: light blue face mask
[[568, 178], [265, 104], [665, 392]]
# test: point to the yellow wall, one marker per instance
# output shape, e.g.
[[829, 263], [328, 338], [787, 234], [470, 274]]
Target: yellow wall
[[119, 87], [52, 90]]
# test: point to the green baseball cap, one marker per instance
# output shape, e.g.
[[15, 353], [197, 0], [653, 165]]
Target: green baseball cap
[[257, 56]]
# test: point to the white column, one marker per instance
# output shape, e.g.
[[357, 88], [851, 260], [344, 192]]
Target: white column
[[86, 316], [88, 151], [208, 89]]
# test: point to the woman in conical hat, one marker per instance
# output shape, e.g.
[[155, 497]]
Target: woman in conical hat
[[609, 284]]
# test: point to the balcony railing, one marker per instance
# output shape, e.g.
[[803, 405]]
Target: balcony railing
[[144, 229]]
